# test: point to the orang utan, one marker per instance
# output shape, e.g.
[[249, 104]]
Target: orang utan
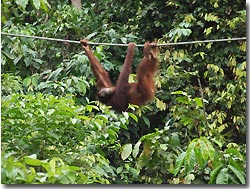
[[123, 93]]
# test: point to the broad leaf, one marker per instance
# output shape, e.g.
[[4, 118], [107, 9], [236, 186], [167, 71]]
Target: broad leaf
[[179, 162], [179, 92], [161, 105], [222, 177], [32, 161], [133, 116], [126, 151], [199, 157], [136, 149], [36, 4], [198, 102], [22, 3], [27, 81], [204, 150], [190, 156], [208, 148], [45, 5], [146, 121], [233, 151], [238, 174]]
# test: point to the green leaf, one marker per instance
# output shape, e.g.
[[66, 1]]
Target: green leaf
[[31, 175], [190, 156], [134, 171], [179, 92], [161, 105], [55, 73], [179, 162], [133, 116], [27, 81], [9, 55], [90, 35], [191, 162], [199, 157], [174, 139], [53, 135], [126, 151], [217, 141], [206, 150], [125, 115], [15, 113], [238, 174], [222, 177], [52, 167], [119, 170], [198, 102], [50, 111], [32, 161], [235, 164], [233, 151], [146, 121], [43, 85], [81, 87], [214, 173], [74, 120], [45, 5], [112, 134], [36, 4], [34, 80], [136, 149], [22, 3], [233, 179], [164, 146], [124, 40], [190, 149], [183, 99], [73, 168], [210, 149]]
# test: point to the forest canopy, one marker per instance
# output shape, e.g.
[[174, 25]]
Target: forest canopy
[[53, 129]]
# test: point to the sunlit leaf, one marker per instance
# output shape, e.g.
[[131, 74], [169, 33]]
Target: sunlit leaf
[[36, 4], [222, 177], [34, 80], [179, 162], [126, 150], [22, 3], [179, 92], [27, 81], [45, 5], [32, 161], [164, 146], [190, 156], [124, 40], [198, 102], [233, 151], [90, 35], [183, 99], [161, 105], [136, 149], [199, 158], [238, 174], [135, 172], [214, 174], [133, 116]]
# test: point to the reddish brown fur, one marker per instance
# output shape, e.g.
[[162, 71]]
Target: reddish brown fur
[[119, 96]]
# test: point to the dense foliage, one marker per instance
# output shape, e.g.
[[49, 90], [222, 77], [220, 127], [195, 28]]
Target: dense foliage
[[55, 132]]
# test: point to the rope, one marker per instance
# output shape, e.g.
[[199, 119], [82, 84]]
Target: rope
[[125, 45]]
